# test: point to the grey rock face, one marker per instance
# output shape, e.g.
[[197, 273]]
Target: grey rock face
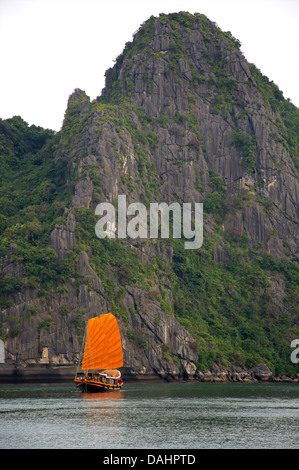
[[192, 133]]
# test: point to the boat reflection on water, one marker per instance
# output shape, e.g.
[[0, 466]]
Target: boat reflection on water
[[103, 410], [103, 396]]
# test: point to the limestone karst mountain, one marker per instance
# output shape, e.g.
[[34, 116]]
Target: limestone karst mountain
[[183, 118]]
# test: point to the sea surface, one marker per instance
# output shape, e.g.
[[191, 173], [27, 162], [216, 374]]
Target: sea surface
[[150, 416]]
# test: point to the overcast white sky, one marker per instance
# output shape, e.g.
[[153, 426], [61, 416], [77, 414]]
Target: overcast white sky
[[50, 47]]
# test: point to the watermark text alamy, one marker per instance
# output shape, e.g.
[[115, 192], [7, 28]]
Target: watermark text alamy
[[132, 221]]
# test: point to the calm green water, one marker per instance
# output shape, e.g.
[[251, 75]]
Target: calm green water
[[153, 416]]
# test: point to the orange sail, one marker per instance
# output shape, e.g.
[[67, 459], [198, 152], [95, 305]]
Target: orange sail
[[103, 349]]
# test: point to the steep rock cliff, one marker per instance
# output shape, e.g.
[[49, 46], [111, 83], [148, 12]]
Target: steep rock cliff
[[183, 118]]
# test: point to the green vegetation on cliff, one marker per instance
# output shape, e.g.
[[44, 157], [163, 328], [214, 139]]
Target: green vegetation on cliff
[[34, 193], [229, 309]]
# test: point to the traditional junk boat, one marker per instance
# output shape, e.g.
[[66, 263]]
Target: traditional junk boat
[[102, 357]]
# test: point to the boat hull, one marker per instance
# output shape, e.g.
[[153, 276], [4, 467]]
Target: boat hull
[[93, 386]]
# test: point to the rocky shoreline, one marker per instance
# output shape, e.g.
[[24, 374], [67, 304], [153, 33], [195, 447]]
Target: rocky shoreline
[[52, 373], [260, 373]]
